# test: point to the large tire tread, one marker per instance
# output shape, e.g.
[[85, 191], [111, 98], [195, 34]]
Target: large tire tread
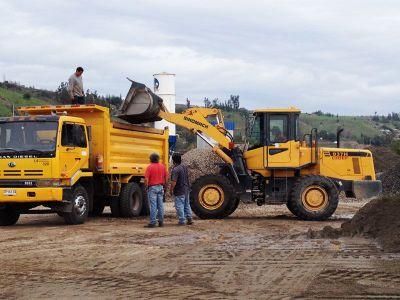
[[127, 209], [295, 203], [227, 208]]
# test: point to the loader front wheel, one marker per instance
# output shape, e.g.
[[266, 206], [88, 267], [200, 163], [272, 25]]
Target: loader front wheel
[[313, 198], [212, 197]]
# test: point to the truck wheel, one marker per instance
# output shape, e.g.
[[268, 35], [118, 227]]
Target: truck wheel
[[99, 202], [8, 216], [131, 200], [212, 197], [145, 207], [313, 198], [80, 207]]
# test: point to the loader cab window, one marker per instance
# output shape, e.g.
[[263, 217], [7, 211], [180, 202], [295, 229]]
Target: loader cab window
[[256, 133], [278, 129], [73, 135]]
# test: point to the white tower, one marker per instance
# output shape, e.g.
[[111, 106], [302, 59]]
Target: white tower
[[164, 86]]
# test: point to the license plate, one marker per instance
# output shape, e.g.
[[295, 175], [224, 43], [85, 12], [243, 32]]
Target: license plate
[[10, 192]]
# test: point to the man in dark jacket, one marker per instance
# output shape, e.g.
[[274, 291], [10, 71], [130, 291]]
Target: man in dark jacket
[[180, 188]]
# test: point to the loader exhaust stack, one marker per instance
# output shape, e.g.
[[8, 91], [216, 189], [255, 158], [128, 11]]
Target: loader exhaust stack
[[141, 105]]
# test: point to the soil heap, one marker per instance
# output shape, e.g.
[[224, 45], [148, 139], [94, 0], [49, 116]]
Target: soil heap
[[201, 162], [391, 180], [384, 158], [378, 219]]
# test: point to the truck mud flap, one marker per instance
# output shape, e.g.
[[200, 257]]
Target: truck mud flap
[[141, 105]]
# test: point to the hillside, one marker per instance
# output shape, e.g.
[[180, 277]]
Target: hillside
[[361, 129]]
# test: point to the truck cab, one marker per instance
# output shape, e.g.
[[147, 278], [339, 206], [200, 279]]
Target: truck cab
[[41, 159]]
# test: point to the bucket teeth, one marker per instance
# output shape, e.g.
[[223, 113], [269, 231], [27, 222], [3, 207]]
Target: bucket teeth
[[141, 105]]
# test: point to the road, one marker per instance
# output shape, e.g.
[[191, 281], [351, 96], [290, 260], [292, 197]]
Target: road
[[258, 253]]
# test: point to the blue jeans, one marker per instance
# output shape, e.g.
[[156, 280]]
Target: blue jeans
[[156, 195], [182, 206]]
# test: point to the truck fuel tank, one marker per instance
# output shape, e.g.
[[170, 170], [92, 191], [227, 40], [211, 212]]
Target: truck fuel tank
[[141, 105]]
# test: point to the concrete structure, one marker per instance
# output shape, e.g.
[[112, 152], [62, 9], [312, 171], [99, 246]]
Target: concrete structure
[[164, 86]]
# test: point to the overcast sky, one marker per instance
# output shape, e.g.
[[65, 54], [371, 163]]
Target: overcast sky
[[337, 56]]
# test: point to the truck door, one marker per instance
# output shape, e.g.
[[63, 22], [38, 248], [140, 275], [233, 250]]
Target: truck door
[[279, 143], [74, 149]]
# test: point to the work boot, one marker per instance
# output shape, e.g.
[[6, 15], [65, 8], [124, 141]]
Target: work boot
[[150, 225], [180, 224], [189, 221], [160, 224]]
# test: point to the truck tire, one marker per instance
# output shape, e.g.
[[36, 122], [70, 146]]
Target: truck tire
[[99, 203], [212, 197], [146, 206], [80, 207], [131, 200], [313, 198], [8, 216], [115, 207]]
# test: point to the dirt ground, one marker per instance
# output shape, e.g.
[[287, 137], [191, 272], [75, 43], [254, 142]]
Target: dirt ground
[[257, 253]]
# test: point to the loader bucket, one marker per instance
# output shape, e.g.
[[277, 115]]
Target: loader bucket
[[141, 105]]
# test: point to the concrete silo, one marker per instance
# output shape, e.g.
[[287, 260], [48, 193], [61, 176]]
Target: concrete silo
[[164, 86]]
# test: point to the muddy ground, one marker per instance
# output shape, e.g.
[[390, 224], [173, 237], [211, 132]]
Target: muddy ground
[[255, 254]]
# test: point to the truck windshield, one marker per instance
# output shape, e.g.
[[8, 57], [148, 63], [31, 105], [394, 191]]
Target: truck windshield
[[36, 138]]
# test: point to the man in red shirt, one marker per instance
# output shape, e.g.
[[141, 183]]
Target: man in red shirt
[[156, 184]]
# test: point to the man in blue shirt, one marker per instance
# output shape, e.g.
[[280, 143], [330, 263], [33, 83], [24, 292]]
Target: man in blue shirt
[[180, 188]]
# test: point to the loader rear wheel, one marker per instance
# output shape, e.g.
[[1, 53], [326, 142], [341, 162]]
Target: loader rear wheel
[[80, 207], [313, 198], [8, 216], [212, 197], [131, 200]]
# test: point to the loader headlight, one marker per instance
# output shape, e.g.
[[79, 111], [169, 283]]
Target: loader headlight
[[48, 182]]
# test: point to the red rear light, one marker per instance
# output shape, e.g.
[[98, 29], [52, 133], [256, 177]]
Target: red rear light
[[231, 145]]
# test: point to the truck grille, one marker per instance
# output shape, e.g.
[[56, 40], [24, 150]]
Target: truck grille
[[12, 172], [26, 173]]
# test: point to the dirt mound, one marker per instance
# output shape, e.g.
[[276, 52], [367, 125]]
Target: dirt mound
[[391, 180], [384, 158], [201, 162], [378, 219]]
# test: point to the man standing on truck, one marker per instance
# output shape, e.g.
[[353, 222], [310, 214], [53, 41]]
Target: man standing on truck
[[156, 184], [180, 188], [75, 87]]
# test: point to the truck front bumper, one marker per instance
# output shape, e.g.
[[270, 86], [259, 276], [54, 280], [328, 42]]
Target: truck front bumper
[[29, 195], [364, 189]]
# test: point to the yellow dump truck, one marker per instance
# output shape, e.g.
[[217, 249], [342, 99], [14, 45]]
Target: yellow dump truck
[[74, 160]]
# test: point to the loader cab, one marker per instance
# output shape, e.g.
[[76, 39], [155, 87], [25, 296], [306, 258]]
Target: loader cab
[[274, 139]]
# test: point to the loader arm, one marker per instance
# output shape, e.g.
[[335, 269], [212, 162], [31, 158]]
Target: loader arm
[[195, 120]]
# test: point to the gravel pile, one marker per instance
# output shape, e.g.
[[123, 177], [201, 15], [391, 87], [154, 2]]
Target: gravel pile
[[391, 180], [384, 158], [201, 162]]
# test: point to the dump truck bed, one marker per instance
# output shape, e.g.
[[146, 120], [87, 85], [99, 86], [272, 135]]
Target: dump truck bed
[[125, 147]]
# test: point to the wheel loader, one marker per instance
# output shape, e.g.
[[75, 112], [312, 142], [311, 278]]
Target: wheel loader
[[276, 166]]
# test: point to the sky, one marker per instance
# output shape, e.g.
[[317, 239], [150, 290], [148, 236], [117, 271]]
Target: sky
[[335, 56]]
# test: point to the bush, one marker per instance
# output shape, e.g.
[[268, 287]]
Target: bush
[[26, 96]]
